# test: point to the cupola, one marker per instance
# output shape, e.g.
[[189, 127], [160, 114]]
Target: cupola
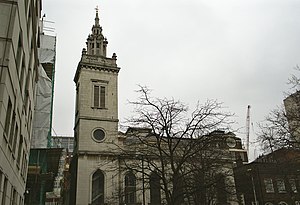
[[96, 42]]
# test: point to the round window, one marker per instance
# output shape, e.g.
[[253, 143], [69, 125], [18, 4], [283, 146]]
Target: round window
[[230, 142], [99, 134]]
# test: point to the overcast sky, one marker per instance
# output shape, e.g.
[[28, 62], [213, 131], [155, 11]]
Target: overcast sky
[[239, 52]]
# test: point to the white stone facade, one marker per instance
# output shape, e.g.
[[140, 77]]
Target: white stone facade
[[96, 109], [19, 33], [99, 151]]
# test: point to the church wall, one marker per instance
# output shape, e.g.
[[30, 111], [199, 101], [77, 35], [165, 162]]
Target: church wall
[[114, 179], [104, 154], [88, 164], [88, 143], [87, 79]]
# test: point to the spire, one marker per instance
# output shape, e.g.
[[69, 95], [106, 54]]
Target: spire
[[96, 42], [97, 17]]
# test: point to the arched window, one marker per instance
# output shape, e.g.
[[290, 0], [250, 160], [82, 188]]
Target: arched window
[[130, 188], [268, 203], [98, 188], [155, 196], [282, 203]]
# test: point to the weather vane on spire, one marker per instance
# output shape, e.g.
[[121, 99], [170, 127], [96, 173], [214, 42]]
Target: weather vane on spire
[[97, 9]]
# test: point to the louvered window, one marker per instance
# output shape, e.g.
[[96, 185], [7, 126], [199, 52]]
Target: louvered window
[[96, 96], [99, 96]]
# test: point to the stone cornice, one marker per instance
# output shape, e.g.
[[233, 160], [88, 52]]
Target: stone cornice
[[93, 62], [97, 118]]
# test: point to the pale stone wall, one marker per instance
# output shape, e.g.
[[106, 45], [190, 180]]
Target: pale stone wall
[[105, 155], [292, 107], [18, 64], [114, 176], [91, 118]]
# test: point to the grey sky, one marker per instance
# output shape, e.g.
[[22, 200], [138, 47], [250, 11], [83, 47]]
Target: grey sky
[[239, 52]]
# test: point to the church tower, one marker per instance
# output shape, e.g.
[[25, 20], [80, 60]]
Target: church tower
[[96, 118]]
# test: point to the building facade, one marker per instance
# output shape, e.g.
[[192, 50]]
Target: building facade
[[60, 193], [292, 108], [271, 179], [96, 118], [19, 42], [65, 142], [103, 158]]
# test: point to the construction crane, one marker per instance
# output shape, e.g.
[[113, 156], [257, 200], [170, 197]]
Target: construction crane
[[248, 129]]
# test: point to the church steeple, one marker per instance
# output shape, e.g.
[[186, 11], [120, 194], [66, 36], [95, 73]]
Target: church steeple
[[96, 42], [96, 118], [97, 17]]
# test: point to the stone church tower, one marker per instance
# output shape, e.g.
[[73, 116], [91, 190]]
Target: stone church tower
[[96, 122], [110, 167]]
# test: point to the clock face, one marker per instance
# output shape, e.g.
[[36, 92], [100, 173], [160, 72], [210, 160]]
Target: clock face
[[230, 142], [98, 134]]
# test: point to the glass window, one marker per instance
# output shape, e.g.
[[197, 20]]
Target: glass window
[[22, 74], [155, 196], [8, 117], [269, 185], [12, 125], [99, 96], [13, 197], [99, 134], [293, 185], [96, 96], [20, 149], [15, 138], [4, 193], [130, 188], [19, 52], [280, 185], [98, 188], [102, 97]]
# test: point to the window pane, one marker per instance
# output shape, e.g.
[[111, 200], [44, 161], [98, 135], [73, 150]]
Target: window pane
[[130, 188], [293, 185], [8, 115], [98, 188], [4, 193], [155, 196], [96, 96], [102, 97], [280, 185], [12, 129], [20, 149], [15, 138], [269, 185]]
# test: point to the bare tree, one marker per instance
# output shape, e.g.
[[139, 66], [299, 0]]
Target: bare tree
[[178, 149], [281, 127], [294, 80], [274, 131]]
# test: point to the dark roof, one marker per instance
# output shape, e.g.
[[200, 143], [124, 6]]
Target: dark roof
[[280, 155]]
